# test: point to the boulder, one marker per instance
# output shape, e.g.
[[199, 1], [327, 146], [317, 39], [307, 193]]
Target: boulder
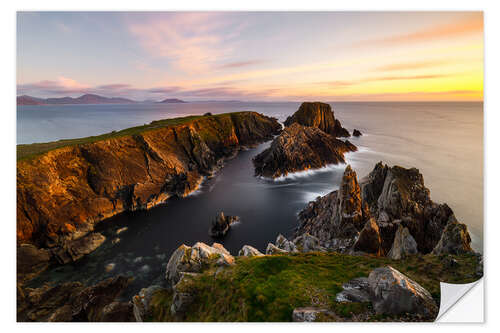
[[369, 240], [221, 225], [75, 249], [31, 261], [195, 259], [356, 133], [273, 249], [300, 148], [391, 292], [249, 251], [308, 243], [319, 115], [356, 290], [285, 244], [454, 240], [404, 244]]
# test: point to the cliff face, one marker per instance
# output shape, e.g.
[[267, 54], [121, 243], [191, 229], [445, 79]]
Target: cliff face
[[64, 192], [300, 148], [320, 115]]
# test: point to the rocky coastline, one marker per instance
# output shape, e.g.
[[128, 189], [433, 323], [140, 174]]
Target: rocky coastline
[[377, 247], [63, 193]]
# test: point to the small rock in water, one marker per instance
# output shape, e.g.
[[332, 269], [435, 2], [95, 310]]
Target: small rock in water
[[356, 133], [119, 231], [116, 240], [221, 224], [109, 267]]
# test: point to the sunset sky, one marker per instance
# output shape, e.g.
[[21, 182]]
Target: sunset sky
[[330, 56]]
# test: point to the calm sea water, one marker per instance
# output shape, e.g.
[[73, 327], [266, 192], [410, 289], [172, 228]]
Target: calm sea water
[[443, 140]]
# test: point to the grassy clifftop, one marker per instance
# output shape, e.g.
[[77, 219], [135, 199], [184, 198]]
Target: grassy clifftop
[[27, 151], [269, 288]]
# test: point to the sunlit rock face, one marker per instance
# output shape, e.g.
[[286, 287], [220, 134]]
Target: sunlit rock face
[[63, 193], [320, 115]]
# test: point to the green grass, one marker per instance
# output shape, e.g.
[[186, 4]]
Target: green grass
[[269, 288], [29, 151]]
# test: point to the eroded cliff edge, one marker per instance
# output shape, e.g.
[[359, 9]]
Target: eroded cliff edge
[[63, 193]]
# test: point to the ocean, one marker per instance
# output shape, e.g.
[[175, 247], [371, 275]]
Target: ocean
[[443, 140]]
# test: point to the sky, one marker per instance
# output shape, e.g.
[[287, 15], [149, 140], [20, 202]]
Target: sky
[[252, 56]]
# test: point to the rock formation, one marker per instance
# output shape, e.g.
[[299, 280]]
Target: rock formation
[[63, 193], [72, 301], [221, 225], [393, 293], [455, 239], [390, 292], [194, 259], [356, 133], [404, 244], [300, 148], [320, 115], [367, 216], [249, 251]]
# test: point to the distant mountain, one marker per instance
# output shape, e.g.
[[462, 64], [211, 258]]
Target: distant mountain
[[84, 99], [28, 100], [172, 100]]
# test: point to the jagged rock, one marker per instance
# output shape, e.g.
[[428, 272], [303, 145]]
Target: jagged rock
[[369, 240], [221, 224], [393, 196], [142, 301], [184, 294], [72, 301], [273, 249], [311, 314], [285, 244], [76, 249], [308, 243], [194, 259], [455, 239], [356, 290], [300, 148], [337, 218], [249, 251], [404, 244], [391, 292], [317, 114], [356, 132]]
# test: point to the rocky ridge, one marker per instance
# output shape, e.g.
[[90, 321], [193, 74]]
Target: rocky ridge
[[388, 212]]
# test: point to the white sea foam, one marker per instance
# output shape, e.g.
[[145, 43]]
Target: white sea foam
[[307, 173]]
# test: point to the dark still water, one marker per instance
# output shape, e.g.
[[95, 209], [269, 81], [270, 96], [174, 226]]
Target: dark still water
[[443, 140]]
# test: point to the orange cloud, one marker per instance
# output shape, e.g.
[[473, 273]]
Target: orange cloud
[[410, 65], [465, 26]]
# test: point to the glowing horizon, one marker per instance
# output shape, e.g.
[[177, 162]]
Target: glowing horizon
[[266, 56]]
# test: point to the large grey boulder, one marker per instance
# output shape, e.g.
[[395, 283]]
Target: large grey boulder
[[454, 240], [285, 244], [249, 251], [273, 249], [404, 244], [308, 243], [391, 292], [356, 290], [77, 248], [194, 259]]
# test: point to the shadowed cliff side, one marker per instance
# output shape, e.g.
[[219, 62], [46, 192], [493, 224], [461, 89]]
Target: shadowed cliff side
[[62, 193]]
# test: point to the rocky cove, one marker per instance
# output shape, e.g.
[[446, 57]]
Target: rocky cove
[[358, 220]]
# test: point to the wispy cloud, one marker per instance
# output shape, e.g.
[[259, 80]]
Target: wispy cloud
[[241, 64], [410, 65], [192, 42], [349, 83], [464, 26]]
